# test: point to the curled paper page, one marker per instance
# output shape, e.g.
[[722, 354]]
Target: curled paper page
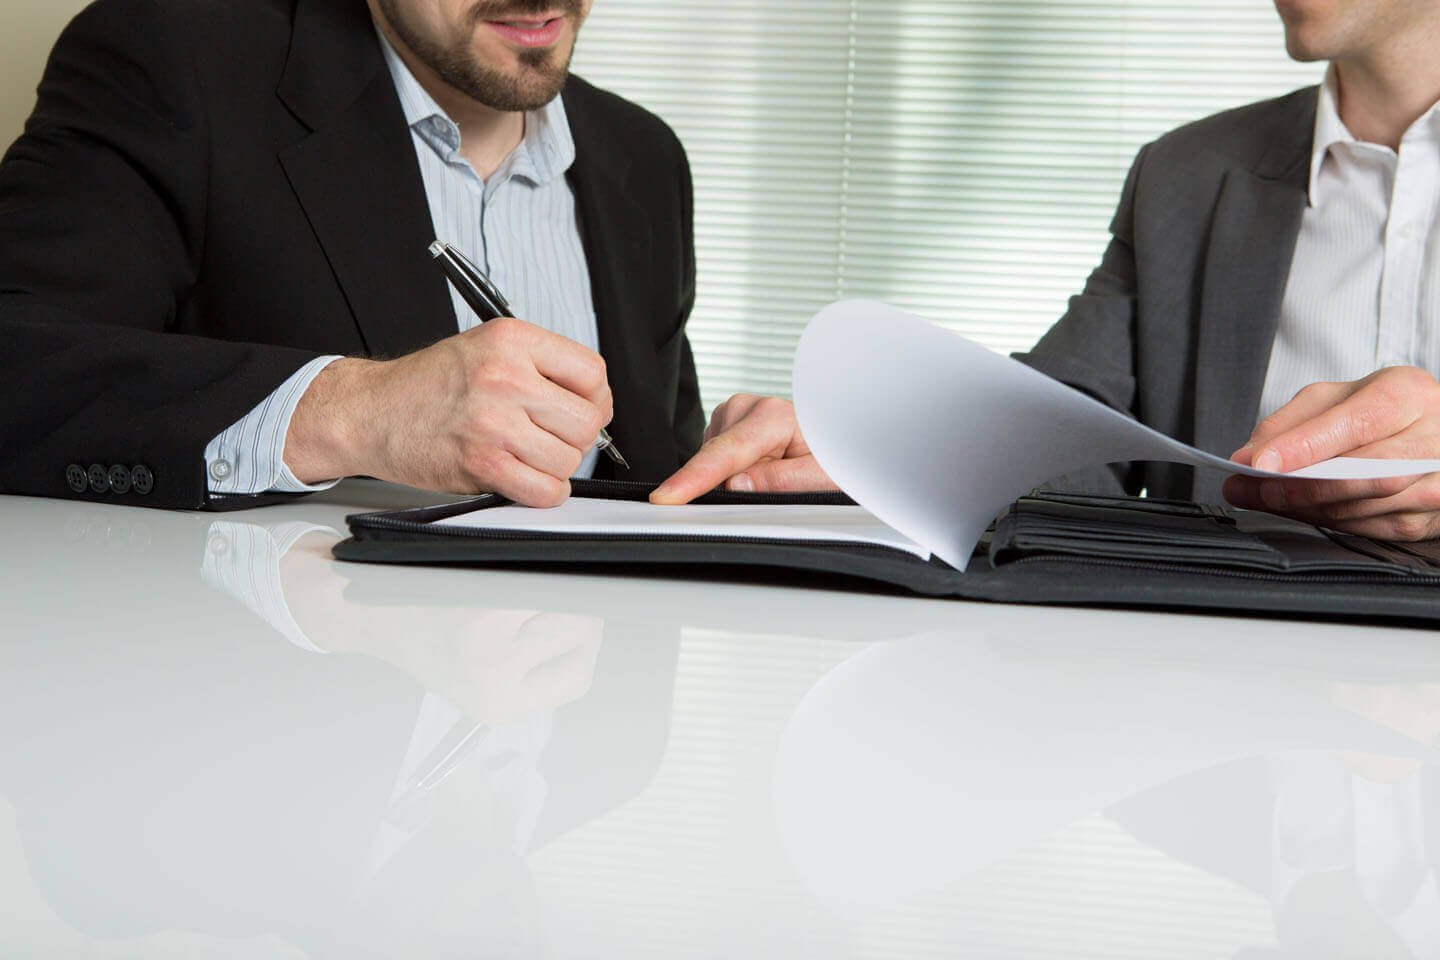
[[935, 434]]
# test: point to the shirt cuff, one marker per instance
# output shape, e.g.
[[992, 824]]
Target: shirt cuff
[[249, 456], [243, 560]]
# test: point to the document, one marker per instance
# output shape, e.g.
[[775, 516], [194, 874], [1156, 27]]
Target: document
[[578, 516], [935, 434]]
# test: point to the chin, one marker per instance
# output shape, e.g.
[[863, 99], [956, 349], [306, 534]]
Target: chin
[[1302, 51]]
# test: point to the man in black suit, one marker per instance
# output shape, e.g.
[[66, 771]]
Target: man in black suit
[[214, 197]]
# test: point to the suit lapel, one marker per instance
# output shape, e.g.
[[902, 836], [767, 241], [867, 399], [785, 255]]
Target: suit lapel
[[1247, 263], [358, 180], [617, 241]]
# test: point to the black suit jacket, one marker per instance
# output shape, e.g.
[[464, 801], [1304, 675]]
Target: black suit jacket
[[210, 192], [1176, 324]]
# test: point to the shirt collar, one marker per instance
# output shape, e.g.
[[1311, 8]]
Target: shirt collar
[[546, 151], [1329, 130]]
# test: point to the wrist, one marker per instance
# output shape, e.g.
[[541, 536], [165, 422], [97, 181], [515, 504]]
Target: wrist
[[326, 437]]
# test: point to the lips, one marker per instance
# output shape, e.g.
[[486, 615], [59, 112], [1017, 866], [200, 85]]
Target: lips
[[529, 31]]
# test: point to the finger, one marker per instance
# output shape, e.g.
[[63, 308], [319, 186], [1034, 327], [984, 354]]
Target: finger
[[575, 367], [545, 452], [1308, 403], [1243, 492], [1307, 494], [505, 474], [730, 412], [755, 437], [1405, 527], [566, 415], [793, 474], [1380, 409], [1420, 500], [1294, 498]]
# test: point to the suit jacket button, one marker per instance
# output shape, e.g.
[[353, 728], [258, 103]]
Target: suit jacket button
[[99, 478], [77, 478], [120, 479], [142, 481]]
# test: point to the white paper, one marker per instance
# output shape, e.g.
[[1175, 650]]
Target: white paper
[[935, 434], [847, 524]]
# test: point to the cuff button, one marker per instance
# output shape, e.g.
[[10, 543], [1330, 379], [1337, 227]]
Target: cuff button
[[142, 481], [220, 470], [99, 479], [120, 479], [77, 478]]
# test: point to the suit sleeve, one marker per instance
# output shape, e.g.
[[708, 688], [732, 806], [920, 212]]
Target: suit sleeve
[[1092, 347], [102, 225], [689, 423]]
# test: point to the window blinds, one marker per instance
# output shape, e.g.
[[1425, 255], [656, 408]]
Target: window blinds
[[958, 158]]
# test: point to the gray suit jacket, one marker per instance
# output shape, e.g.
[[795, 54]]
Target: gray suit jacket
[[1175, 325]]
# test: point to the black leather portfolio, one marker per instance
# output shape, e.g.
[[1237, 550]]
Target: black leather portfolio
[[1045, 548]]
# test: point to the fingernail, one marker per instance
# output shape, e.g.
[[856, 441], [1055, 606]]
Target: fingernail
[[1269, 461], [1273, 494], [742, 483], [660, 492]]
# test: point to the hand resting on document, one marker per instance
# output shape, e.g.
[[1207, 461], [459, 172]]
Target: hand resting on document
[[507, 407], [1393, 413], [752, 444]]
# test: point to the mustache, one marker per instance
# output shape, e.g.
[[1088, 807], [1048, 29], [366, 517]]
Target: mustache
[[521, 9]]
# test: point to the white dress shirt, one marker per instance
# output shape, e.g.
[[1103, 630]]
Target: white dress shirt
[[520, 226], [1363, 291]]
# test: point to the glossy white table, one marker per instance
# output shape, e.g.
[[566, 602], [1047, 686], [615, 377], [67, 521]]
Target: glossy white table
[[212, 750]]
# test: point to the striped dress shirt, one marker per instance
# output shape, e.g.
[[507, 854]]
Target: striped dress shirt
[[1363, 291], [520, 226]]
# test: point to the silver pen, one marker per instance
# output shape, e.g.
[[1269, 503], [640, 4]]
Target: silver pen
[[488, 303]]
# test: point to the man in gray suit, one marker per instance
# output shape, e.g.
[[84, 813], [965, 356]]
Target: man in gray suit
[[1272, 275]]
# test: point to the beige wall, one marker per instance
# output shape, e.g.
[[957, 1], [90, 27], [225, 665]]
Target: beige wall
[[28, 28]]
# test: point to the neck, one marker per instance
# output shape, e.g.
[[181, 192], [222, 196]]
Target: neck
[[1382, 93], [487, 135]]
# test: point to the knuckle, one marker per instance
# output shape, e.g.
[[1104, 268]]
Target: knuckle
[[1301, 450], [1413, 378], [1426, 492], [1390, 486], [593, 373], [485, 464], [1269, 425], [772, 407], [1409, 526], [497, 375], [1368, 422], [505, 326]]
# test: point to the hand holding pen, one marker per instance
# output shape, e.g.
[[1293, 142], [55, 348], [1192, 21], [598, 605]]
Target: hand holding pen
[[489, 304], [504, 407]]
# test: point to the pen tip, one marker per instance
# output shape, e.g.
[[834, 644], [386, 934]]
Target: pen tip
[[437, 249]]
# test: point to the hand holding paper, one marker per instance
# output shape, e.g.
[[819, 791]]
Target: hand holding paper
[[935, 434], [1392, 413]]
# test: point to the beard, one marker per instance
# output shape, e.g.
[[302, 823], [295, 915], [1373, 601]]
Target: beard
[[542, 72]]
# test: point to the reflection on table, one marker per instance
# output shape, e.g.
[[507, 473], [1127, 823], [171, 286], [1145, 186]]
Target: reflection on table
[[925, 759]]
